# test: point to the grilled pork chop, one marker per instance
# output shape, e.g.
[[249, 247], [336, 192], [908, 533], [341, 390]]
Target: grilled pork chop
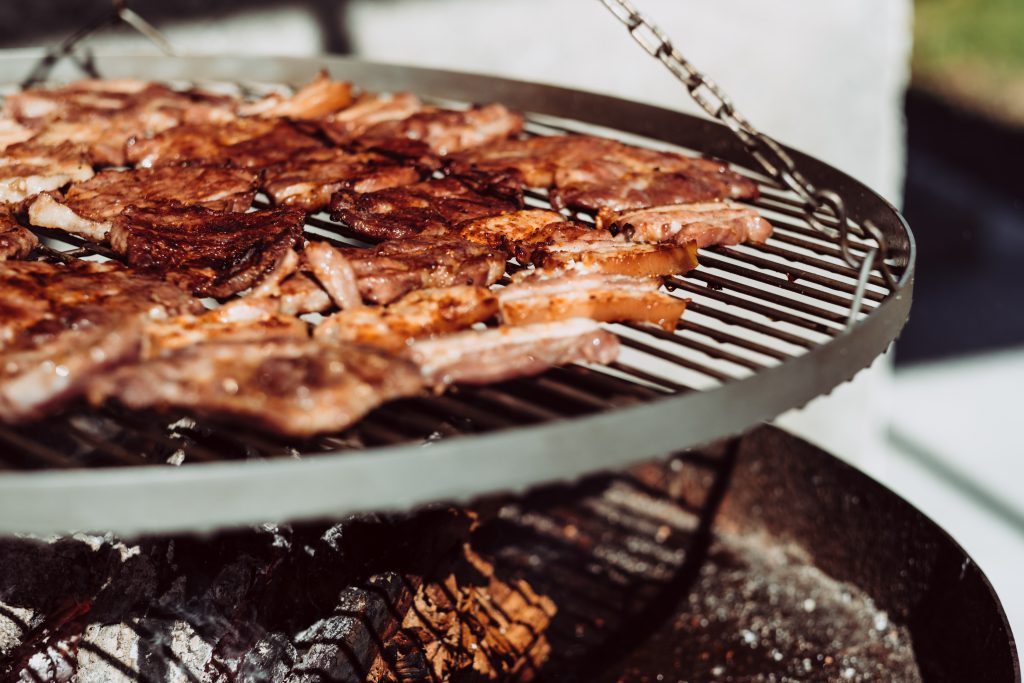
[[15, 241], [495, 355], [298, 388], [367, 111], [63, 325], [27, 169], [418, 314], [704, 224], [442, 131], [543, 296], [207, 252], [88, 208], [308, 179], [243, 143], [433, 204]]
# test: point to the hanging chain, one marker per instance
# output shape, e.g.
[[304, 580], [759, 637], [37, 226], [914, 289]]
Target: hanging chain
[[769, 154], [120, 13]]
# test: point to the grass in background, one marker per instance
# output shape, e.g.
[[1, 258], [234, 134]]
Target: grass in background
[[973, 52]]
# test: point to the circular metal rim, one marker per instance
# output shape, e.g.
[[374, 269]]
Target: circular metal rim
[[202, 497]]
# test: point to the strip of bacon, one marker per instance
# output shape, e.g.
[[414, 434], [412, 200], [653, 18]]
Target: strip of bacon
[[543, 296], [610, 255], [422, 313], [498, 354], [704, 224]]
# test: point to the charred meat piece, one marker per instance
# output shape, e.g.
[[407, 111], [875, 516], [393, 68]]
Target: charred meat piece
[[520, 232], [88, 208], [207, 252], [442, 131], [27, 169], [243, 143], [418, 314], [320, 97], [15, 241], [396, 267], [704, 224], [298, 388], [309, 178], [543, 296], [495, 355], [616, 256], [367, 111], [63, 325], [432, 205]]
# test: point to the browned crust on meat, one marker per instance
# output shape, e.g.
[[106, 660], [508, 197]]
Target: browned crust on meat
[[308, 179], [208, 253], [433, 205], [395, 267], [243, 143], [620, 257], [15, 241]]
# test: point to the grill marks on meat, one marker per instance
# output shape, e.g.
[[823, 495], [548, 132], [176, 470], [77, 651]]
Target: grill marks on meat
[[442, 131], [88, 208], [308, 179], [299, 388], [206, 252], [543, 296], [63, 325], [431, 205], [418, 314], [703, 224], [27, 169], [15, 241], [495, 355], [588, 173], [243, 143]]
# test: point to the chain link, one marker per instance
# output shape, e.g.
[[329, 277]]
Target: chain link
[[768, 153]]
